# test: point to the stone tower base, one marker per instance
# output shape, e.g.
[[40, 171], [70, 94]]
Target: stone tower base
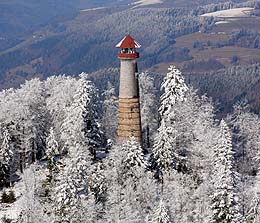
[[129, 121]]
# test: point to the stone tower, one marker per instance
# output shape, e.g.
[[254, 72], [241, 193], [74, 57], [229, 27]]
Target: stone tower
[[129, 118]]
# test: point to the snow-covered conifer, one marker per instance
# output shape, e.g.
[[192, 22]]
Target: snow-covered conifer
[[225, 199], [171, 135], [161, 214], [72, 185], [253, 215], [81, 124], [253, 208], [51, 151], [60, 90], [174, 90], [97, 183], [6, 156], [149, 108], [31, 206], [135, 156], [109, 117], [131, 189], [163, 156], [52, 144], [33, 120]]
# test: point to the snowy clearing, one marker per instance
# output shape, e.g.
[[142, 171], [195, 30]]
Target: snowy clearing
[[222, 22], [93, 9], [146, 2], [230, 13]]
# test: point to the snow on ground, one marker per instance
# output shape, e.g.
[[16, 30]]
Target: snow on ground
[[12, 211], [230, 13], [146, 2], [93, 9], [222, 22]]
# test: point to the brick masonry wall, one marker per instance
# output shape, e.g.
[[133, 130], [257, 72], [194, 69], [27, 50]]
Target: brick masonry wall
[[129, 120]]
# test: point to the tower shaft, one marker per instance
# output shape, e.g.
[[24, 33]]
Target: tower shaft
[[129, 118]]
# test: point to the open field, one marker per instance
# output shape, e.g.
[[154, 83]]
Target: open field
[[224, 54], [188, 40], [146, 2], [209, 50], [230, 13], [230, 25]]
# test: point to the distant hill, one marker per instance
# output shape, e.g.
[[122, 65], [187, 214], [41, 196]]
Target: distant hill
[[19, 18], [42, 38], [87, 42]]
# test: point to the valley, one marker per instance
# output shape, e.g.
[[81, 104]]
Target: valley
[[197, 39]]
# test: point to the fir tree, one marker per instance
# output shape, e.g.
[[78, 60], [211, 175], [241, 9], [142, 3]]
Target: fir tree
[[52, 150], [174, 91], [253, 214], [6, 156], [149, 108], [32, 208], [109, 117], [135, 156], [161, 215], [72, 186], [97, 183], [131, 189], [167, 146], [225, 200], [163, 156]]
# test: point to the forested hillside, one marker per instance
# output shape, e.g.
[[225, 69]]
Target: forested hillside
[[59, 153], [89, 46], [84, 40], [20, 18]]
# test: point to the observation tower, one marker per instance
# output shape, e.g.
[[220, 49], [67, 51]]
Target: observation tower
[[129, 118]]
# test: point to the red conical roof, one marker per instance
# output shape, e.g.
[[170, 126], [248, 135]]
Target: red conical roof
[[128, 42]]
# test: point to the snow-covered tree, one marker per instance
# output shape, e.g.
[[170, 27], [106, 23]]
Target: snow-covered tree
[[253, 206], [24, 111], [131, 189], [174, 91], [245, 126], [163, 157], [51, 151], [135, 156], [72, 186], [91, 211], [149, 109], [81, 124], [97, 183], [253, 215], [225, 199], [60, 92], [6, 157], [109, 117], [171, 133], [246, 134], [161, 214], [33, 122], [31, 207]]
